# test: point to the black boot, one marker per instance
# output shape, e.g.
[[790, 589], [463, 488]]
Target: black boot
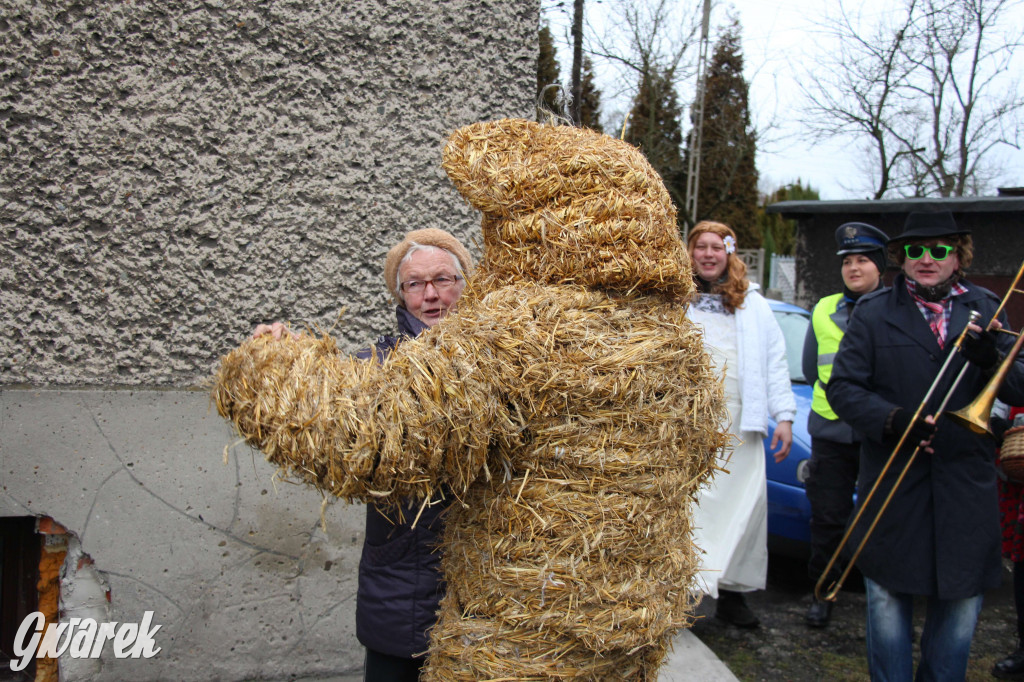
[[1011, 667], [732, 608], [819, 613]]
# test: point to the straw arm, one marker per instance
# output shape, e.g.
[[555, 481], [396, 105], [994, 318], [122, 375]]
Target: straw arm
[[355, 429]]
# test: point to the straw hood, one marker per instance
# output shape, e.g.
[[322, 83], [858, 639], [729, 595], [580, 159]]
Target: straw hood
[[568, 205]]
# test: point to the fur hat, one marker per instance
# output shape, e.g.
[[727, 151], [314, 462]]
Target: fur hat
[[430, 236]]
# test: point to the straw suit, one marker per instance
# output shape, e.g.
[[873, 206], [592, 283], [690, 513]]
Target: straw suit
[[567, 407]]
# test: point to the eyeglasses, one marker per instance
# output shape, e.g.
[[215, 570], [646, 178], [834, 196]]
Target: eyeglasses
[[418, 286], [937, 252]]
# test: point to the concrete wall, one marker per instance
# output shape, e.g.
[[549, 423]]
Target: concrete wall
[[172, 174], [235, 567]]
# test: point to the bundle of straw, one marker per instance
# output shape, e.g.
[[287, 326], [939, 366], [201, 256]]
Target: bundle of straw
[[573, 423], [565, 204]]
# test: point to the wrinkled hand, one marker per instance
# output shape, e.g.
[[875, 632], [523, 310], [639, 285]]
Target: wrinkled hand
[[277, 331], [782, 440], [921, 432]]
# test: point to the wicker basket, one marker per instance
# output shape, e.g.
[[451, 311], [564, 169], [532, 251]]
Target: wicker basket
[[1011, 454]]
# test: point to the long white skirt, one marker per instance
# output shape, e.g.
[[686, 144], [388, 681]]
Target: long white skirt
[[731, 522], [731, 519]]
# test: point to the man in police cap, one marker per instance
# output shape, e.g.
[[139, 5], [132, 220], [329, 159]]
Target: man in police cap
[[835, 446], [939, 538]]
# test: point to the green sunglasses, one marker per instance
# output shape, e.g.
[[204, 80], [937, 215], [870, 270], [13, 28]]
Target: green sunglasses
[[937, 252]]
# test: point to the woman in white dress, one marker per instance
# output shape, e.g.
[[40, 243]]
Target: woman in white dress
[[743, 338]]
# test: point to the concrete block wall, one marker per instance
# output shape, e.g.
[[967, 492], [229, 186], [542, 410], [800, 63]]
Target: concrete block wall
[[170, 175]]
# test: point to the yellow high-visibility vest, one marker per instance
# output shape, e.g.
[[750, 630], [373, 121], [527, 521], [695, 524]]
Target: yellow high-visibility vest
[[829, 322]]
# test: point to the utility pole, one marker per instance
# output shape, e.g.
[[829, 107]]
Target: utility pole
[[696, 132], [577, 62]]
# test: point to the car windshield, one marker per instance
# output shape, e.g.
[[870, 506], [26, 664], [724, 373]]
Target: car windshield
[[794, 329]]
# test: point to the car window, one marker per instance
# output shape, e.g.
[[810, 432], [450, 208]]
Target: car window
[[794, 329]]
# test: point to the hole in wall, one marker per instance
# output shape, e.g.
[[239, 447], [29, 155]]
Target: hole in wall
[[39, 556]]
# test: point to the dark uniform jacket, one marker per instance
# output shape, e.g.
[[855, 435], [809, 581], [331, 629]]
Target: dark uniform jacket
[[400, 580], [940, 535]]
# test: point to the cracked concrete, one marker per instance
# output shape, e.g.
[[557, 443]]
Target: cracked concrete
[[236, 568]]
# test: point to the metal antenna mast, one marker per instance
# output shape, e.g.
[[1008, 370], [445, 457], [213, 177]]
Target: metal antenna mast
[[696, 132]]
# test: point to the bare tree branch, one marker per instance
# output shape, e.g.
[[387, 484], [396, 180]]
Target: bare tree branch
[[932, 94]]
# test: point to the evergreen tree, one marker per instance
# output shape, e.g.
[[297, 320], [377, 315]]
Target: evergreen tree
[[727, 191], [548, 73], [653, 126], [590, 101], [779, 233]]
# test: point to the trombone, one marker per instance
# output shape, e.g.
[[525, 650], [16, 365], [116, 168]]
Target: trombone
[[974, 416]]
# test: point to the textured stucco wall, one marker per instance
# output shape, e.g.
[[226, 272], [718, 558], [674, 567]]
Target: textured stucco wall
[[173, 172]]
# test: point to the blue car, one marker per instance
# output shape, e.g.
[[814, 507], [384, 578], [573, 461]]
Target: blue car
[[789, 511]]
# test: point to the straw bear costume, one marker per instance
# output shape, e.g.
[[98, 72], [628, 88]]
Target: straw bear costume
[[568, 405]]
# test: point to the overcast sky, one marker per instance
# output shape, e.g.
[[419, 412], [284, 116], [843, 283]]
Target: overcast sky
[[780, 39]]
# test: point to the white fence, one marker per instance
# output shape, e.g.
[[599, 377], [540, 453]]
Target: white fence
[[754, 258], [783, 277]]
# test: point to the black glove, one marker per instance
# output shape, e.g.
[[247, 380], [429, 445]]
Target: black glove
[[998, 427], [921, 431], [980, 350]]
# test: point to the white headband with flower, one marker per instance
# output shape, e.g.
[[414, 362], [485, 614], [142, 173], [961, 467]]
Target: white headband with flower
[[730, 243]]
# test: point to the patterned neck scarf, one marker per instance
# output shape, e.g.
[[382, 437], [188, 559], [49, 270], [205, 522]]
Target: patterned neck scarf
[[936, 313]]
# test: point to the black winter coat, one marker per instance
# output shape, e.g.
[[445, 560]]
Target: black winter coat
[[940, 535], [400, 581]]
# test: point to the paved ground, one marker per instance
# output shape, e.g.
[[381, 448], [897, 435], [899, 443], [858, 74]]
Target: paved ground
[[690, 660], [784, 648]]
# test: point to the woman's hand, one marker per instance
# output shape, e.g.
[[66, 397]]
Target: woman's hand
[[277, 331], [782, 441]]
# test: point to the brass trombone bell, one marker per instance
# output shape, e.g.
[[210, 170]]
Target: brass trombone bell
[[976, 414]]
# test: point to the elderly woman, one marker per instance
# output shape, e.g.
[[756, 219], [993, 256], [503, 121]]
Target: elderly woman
[[743, 338], [400, 583]]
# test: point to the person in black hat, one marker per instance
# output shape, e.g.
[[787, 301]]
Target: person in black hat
[[939, 538], [835, 446]]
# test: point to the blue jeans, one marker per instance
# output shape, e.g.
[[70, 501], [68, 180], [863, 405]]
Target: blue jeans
[[945, 642]]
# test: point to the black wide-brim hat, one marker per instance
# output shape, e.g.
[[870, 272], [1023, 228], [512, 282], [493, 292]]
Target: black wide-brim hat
[[930, 225]]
